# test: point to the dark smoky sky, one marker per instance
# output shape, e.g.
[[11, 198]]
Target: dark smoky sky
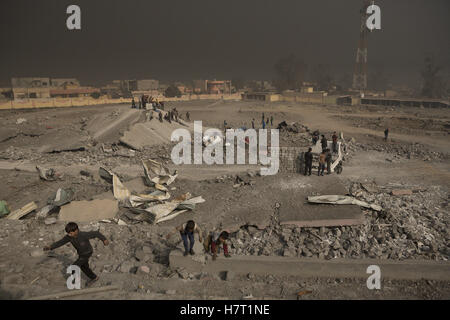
[[189, 39]]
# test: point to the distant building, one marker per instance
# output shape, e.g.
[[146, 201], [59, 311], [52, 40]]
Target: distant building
[[74, 92], [261, 96], [5, 93], [218, 86], [199, 86], [30, 87], [65, 83]]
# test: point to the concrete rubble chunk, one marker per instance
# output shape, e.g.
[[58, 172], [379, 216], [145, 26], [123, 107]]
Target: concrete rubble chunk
[[61, 197], [50, 220], [17, 214], [95, 210], [399, 192], [44, 212]]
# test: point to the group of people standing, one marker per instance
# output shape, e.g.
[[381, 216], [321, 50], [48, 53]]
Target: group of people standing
[[325, 157], [264, 122], [211, 243]]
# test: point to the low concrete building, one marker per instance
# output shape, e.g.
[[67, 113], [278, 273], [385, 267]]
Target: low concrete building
[[74, 92], [261, 96], [147, 85], [30, 87]]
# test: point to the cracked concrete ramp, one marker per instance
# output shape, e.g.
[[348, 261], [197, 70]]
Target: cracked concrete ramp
[[313, 268]]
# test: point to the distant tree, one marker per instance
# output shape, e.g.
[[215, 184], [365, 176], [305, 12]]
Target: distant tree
[[172, 91], [321, 75], [255, 86], [290, 73], [95, 95], [433, 85], [378, 80], [344, 82], [238, 83]]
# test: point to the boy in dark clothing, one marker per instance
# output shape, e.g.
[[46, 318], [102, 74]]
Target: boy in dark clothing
[[80, 241], [308, 161], [324, 143], [315, 137], [322, 161]]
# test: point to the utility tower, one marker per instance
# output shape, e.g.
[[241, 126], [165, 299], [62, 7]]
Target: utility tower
[[360, 72]]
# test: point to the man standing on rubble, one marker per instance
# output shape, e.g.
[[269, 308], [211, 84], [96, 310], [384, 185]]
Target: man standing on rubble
[[308, 161], [80, 240], [271, 120], [188, 116], [160, 116], [133, 104], [386, 133], [323, 142], [253, 123], [328, 160], [335, 138], [322, 160], [187, 232]]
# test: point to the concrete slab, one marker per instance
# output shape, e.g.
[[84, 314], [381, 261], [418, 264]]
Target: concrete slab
[[315, 268], [83, 211], [150, 133], [295, 210], [134, 186]]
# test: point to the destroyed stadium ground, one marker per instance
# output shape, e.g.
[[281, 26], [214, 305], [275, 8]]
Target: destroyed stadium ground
[[413, 224]]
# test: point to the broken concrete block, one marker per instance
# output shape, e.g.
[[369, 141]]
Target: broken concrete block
[[144, 269], [229, 276], [126, 267], [37, 253], [95, 210], [400, 192]]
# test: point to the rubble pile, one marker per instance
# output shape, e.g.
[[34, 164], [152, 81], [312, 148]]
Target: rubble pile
[[99, 155], [409, 227], [294, 134], [400, 151]]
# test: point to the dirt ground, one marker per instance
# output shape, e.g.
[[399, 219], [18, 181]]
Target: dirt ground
[[414, 226]]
